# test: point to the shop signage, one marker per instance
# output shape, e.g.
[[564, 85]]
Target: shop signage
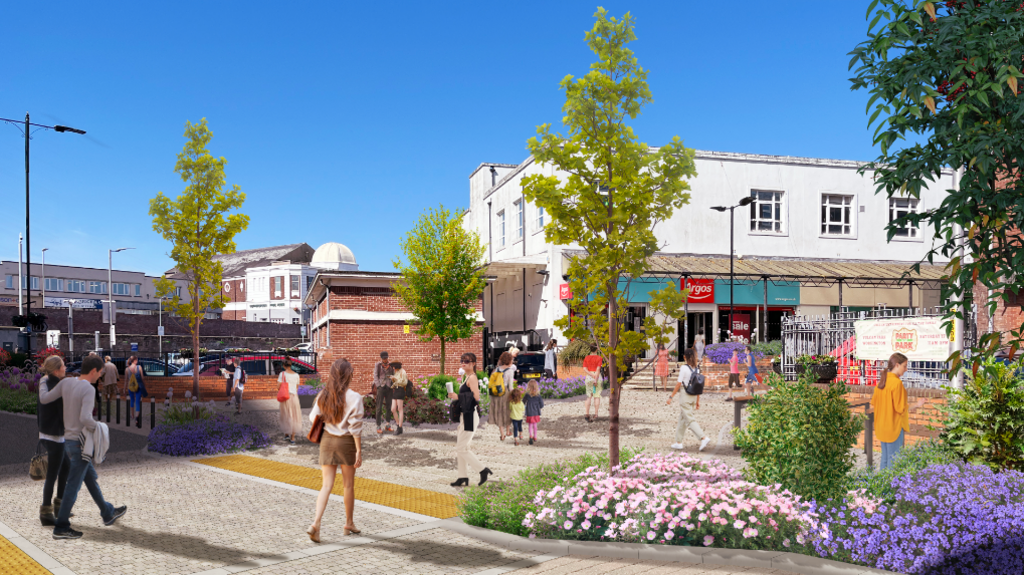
[[741, 325], [918, 338], [75, 303], [564, 292], [749, 292], [701, 290], [4, 300]]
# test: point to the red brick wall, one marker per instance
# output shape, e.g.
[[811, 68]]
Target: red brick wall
[[235, 291], [1008, 316], [925, 405], [256, 386]]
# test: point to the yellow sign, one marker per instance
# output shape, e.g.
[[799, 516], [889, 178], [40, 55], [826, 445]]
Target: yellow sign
[[405, 328]]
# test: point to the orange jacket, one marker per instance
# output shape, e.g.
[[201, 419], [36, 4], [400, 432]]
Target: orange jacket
[[891, 410]]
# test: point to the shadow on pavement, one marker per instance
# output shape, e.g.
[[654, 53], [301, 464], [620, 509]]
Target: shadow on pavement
[[180, 545]]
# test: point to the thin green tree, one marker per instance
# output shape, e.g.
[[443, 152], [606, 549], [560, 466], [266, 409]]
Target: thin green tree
[[442, 278], [609, 192], [199, 226]]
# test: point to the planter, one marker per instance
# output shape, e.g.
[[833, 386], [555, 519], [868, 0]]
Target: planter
[[825, 372], [307, 401], [777, 367]]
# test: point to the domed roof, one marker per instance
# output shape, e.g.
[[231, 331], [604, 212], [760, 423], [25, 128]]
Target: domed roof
[[334, 256]]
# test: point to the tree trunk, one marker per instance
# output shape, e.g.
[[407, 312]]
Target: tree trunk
[[195, 351], [613, 379], [442, 356]]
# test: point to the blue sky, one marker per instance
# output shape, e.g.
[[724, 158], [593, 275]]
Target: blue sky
[[344, 121]]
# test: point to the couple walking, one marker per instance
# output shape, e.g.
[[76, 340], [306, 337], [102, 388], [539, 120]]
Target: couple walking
[[390, 386], [74, 442]]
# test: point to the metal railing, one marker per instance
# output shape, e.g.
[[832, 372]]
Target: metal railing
[[173, 364], [832, 335]]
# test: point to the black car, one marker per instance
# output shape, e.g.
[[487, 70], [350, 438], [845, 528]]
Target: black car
[[529, 365]]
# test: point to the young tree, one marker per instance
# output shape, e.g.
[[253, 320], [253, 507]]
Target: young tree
[[199, 227], [443, 278], [612, 192], [943, 79]]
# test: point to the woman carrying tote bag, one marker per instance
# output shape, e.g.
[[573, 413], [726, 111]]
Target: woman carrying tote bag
[[290, 416]]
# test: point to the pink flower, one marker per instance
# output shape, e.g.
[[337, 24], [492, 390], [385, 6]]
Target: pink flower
[[567, 525], [651, 535], [739, 524], [708, 540]]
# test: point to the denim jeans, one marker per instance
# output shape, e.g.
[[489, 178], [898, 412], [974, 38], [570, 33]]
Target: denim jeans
[[889, 451], [135, 401], [517, 427], [80, 471]]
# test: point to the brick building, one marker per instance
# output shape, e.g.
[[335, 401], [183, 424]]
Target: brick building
[[357, 315]]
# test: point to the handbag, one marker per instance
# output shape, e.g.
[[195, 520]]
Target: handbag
[[316, 432], [283, 392], [37, 467]]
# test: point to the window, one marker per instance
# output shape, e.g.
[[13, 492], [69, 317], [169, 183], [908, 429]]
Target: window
[[501, 229], [309, 280], [35, 282], [836, 215], [295, 283], [76, 286], [900, 207], [122, 289], [766, 212], [177, 292], [540, 218], [10, 282], [519, 218], [278, 285], [97, 287], [138, 290], [241, 285], [295, 320], [54, 284]]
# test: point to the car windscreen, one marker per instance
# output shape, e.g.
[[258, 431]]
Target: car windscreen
[[530, 361]]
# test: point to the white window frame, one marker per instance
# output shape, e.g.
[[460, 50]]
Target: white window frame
[[780, 211], [76, 286], [501, 229], [540, 219], [9, 283], [825, 203], [138, 290], [96, 287], [914, 205], [518, 204]]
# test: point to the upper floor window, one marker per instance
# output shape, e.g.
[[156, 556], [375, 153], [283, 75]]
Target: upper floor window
[[122, 289], [76, 286], [177, 292], [766, 213], [97, 287], [9, 283], [294, 280], [836, 215], [278, 285], [54, 284], [138, 290], [518, 204], [501, 229], [540, 218], [899, 207]]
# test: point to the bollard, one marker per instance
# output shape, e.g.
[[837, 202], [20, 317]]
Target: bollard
[[108, 408], [152, 412], [99, 405], [128, 410], [117, 403], [869, 438]]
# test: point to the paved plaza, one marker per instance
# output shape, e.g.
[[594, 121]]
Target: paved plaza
[[248, 513]]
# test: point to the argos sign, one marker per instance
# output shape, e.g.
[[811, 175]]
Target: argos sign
[[701, 290]]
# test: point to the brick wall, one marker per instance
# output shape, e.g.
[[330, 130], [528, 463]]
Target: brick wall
[[1008, 316], [256, 386], [925, 405]]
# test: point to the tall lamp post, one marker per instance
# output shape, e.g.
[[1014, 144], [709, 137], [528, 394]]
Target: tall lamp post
[[26, 129], [732, 212], [42, 280], [110, 291]]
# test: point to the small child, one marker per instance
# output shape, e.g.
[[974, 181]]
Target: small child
[[517, 411], [534, 403]]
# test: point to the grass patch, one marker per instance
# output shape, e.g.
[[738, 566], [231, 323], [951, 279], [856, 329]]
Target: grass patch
[[17, 401]]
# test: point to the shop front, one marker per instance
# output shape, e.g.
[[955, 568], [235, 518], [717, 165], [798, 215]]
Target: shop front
[[757, 308]]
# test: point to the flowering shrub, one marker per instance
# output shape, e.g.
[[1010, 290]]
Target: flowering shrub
[[722, 352], [206, 437], [675, 500], [954, 518], [5, 357], [561, 388], [984, 420], [307, 390], [418, 408], [16, 379], [42, 354], [808, 360]]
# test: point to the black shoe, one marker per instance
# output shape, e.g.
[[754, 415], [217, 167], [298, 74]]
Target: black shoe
[[483, 475], [531, 441], [460, 482], [228, 404], [138, 422], [118, 513], [399, 430], [66, 533]]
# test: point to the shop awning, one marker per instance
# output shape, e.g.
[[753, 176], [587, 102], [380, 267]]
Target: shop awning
[[513, 267]]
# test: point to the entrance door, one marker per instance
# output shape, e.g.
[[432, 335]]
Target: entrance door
[[697, 322], [635, 321]]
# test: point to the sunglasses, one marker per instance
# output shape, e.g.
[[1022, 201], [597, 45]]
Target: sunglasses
[[466, 361]]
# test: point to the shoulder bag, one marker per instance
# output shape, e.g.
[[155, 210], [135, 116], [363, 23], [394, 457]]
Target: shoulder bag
[[283, 391], [37, 467], [316, 431]]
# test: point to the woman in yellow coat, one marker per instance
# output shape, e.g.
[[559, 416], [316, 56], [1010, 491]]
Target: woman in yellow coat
[[892, 414]]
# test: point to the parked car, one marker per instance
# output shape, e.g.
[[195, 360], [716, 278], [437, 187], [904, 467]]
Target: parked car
[[529, 365], [305, 347], [252, 364], [150, 366]]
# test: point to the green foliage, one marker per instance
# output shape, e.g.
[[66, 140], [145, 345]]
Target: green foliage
[[443, 278], [199, 226], [502, 506], [944, 93], [985, 421], [768, 348], [18, 401], [807, 360], [908, 461], [418, 409], [801, 437], [315, 383], [184, 412], [574, 352], [436, 388], [611, 192]]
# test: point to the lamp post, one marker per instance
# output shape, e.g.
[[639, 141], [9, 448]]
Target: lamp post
[[27, 131], [42, 280], [110, 291], [732, 212]]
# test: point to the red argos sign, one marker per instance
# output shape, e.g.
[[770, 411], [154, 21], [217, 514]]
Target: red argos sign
[[564, 292], [701, 290]]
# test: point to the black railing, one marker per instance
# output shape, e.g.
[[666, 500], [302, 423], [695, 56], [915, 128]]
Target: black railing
[[252, 362]]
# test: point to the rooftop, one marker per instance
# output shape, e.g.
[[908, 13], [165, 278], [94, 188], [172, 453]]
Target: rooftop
[[235, 264]]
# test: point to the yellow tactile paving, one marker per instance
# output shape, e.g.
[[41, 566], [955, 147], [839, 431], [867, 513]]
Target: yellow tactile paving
[[14, 561], [422, 501]]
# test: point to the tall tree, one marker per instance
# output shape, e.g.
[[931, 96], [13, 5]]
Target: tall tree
[[943, 79], [199, 227], [442, 279], [611, 192]]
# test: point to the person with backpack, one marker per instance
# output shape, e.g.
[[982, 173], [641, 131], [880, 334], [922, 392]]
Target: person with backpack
[[135, 389], [502, 380], [692, 384]]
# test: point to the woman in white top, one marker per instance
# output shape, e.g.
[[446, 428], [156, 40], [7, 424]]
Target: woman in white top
[[341, 411], [291, 411], [551, 359], [698, 345], [689, 404]]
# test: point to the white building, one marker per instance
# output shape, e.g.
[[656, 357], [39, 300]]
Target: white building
[[812, 223]]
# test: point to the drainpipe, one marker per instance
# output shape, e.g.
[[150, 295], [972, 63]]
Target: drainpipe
[[490, 253]]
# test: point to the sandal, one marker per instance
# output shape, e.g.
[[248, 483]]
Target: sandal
[[314, 534]]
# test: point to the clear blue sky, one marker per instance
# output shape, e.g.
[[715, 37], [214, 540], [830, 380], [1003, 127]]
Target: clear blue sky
[[344, 121]]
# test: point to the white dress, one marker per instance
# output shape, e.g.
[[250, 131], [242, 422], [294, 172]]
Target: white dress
[[291, 411]]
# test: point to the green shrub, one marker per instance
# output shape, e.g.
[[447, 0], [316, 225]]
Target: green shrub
[[17, 401], [16, 360], [768, 348], [418, 409], [574, 353], [908, 461], [502, 505], [436, 388], [315, 383], [801, 437], [184, 412], [985, 420]]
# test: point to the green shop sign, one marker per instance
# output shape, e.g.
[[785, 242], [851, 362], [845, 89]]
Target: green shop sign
[[751, 292]]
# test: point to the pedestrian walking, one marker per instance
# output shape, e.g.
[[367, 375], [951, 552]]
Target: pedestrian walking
[[135, 389], [50, 419], [382, 373], [109, 379], [468, 398], [592, 383], [892, 413], [661, 366], [734, 372], [236, 383], [551, 359], [341, 411], [498, 411], [688, 403], [290, 415], [228, 370], [399, 385], [751, 379], [698, 346], [517, 412], [78, 398], [534, 405]]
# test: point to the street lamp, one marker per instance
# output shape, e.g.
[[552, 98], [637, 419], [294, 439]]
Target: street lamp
[[42, 280], [110, 291], [732, 211], [27, 131]]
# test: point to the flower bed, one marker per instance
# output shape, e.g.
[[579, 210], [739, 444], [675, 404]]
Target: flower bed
[[206, 437], [19, 390], [722, 352], [561, 388], [418, 409]]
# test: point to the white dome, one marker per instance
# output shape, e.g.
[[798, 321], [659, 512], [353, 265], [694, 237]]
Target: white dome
[[334, 256]]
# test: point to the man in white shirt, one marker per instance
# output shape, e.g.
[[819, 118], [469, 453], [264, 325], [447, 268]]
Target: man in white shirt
[[79, 398], [236, 383]]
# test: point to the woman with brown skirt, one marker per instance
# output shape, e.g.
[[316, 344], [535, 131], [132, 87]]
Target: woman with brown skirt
[[498, 412], [341, 411]]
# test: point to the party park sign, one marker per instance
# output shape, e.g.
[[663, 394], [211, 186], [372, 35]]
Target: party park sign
[[918, 338]]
